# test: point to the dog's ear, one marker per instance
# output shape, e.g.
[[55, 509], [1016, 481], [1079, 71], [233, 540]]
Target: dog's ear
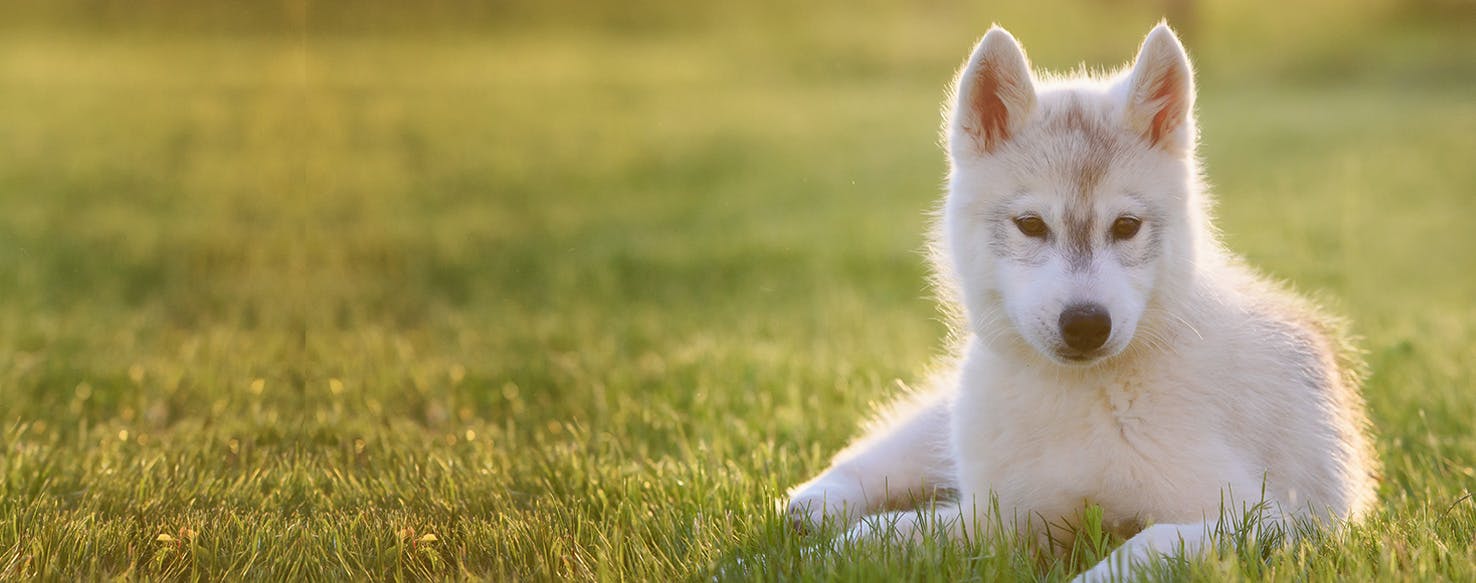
[[1160, 97], [993, 95]]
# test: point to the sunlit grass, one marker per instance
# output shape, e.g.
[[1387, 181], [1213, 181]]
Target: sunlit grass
[[581, 302]]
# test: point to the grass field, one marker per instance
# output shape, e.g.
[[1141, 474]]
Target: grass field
[[537, 292]]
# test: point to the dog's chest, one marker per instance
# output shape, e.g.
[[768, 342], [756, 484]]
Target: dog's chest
[[1124, 441]]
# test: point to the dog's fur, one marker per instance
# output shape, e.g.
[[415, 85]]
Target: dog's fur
[[1216, 392]]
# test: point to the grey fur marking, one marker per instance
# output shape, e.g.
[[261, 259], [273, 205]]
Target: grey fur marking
[[1152, 219], [1093, 148], [1080, 222], [1001, 223]]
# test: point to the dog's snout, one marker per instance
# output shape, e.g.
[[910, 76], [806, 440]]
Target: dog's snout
[[1085, 327]]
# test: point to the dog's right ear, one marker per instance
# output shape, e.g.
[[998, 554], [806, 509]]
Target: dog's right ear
[[993, 95]]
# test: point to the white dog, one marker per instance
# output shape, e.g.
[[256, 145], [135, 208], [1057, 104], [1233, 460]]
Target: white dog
[[1112, 351]]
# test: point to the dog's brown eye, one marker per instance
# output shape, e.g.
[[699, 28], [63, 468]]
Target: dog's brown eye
[[1032, 226], [1125, 228]]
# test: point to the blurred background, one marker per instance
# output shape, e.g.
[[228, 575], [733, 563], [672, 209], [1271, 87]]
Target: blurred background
[[578, 286]]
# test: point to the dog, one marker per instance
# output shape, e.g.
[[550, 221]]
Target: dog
[[1111, 352]]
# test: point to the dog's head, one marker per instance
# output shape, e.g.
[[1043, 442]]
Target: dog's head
[[1069, 200]]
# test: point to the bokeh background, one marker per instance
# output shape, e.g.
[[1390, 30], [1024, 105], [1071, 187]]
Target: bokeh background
[[533, 290]]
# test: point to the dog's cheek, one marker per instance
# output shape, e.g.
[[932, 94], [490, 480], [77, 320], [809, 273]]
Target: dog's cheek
[[1140, 279], [1014, 293]]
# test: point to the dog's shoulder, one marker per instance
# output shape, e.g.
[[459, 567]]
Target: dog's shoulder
[[1292, 335]]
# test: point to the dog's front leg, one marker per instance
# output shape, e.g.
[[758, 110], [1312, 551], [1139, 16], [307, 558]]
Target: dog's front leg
[[903, 460]]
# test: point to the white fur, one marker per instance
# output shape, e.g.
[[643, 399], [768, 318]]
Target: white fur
[[1215, 390]]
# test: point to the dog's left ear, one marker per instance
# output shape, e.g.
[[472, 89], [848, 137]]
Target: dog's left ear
[[1160, 98]]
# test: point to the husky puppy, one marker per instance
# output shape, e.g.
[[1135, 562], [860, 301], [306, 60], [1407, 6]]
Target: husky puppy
[[1111, 351]]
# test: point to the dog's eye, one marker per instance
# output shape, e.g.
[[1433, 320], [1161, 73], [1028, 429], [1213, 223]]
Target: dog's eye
[[1032, 226], [1125, 228]]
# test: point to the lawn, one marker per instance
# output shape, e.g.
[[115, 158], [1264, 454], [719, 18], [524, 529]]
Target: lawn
[[317, 290]]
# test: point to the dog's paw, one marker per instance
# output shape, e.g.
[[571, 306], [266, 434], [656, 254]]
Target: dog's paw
[[866, 529], [1151, 544], [906, 527], [813, 505], [1101, 573]]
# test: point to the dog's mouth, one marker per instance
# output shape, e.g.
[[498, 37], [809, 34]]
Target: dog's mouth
[[1072, 356], [1077, 356], [1064, 354]]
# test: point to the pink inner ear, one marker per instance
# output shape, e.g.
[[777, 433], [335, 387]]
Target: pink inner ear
[[989, 109], [1170, 105]]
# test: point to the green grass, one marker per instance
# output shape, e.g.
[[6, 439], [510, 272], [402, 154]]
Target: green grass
[[581, 297]]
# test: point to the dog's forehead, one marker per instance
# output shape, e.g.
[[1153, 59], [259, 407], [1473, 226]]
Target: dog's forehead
[[1071, 146]]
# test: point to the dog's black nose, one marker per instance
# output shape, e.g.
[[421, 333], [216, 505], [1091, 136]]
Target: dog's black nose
[[1085, 327]]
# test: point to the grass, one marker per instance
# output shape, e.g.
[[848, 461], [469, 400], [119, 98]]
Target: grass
[[527, 297]]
